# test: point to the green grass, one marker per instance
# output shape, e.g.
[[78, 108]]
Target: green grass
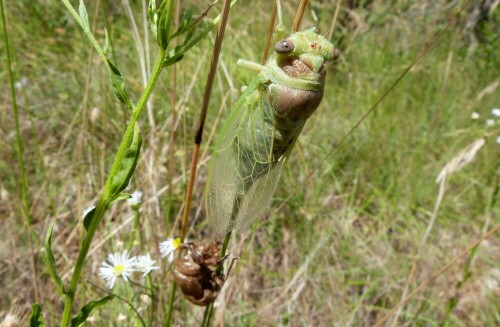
[[340, 249]]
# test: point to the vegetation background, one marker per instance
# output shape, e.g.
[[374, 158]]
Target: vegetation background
[[338, 245]]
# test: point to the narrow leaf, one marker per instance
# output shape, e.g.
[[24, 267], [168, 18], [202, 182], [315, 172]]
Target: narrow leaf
[[118, 84], [87, 309], [105, 47], [36, 317], [82, 11], [152, 16], [121, 196], [186, 21], [127, 164], [176, 54], [164, 23], [50, 261], [88, 218]]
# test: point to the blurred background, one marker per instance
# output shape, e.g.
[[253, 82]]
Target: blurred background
[[345, 228]]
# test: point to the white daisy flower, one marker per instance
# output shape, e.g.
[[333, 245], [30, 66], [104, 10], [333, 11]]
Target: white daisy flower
[[87, 210], [144, 264], [168, 247], [498, 140], [474, 115], [117, 265], [495, 112], [490, 122], [136, 198]]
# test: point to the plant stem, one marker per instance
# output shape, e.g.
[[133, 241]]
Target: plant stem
[[25, 203], [104, 200], [170, 305], [207, 316], [203, 113], [299, 15]]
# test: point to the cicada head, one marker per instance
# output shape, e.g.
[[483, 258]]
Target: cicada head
[[304, 55]]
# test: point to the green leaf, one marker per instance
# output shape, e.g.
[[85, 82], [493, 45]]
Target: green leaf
[[118, 84], [86, 310], [36, 317], [88, 218], [82, 11], [127, 164], [189, 35], [121, 196], [176, 54], [105, 47], [50, 261], [185, 23], [153, 16], [164, 23]]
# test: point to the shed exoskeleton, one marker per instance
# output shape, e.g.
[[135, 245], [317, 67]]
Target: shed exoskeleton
[[194, 271]]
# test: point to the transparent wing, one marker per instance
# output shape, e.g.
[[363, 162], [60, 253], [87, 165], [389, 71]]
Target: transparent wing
[[244, 170]]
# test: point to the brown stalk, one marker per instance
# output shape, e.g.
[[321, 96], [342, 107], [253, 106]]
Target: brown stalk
[[334, 21], [270, 33], [299, 15], [203, 114], [436, 275]]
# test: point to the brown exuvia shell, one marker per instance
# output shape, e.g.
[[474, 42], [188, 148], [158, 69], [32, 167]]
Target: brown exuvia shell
[[194, 265]]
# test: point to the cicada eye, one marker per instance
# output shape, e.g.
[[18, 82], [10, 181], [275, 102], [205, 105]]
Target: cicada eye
[[284, 46], [336, 53]]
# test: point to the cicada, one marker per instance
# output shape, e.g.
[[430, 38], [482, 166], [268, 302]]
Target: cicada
[[262, 129]]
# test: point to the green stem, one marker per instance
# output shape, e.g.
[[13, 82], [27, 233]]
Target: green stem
[[25, 203], [15, 111], [87, 32], [207, 316], [170, 305], [104, 201], [134, 233]]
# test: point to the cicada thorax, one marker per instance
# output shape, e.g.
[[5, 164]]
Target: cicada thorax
[[194, 271], [290, 104], [283, 110]]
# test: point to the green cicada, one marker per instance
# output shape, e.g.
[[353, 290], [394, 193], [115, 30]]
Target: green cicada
[[263, 127]]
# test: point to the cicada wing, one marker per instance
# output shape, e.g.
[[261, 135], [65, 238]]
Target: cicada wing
[[257, 198], [243, 172]]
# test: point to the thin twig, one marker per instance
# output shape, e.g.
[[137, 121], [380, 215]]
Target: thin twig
[[203, 114], [299, 15], [270, 33], [25, 201], [334, 21], [138, 314], [442, 188]]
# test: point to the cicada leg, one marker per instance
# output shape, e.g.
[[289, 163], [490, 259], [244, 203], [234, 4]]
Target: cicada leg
[[279, 30], [231, 266], [249, 64]]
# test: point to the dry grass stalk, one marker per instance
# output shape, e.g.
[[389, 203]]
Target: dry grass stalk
[[463, 158], [436, 275], [203, 114]]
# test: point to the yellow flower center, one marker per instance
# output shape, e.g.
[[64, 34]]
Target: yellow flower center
[[176, 243], [119, 269]]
